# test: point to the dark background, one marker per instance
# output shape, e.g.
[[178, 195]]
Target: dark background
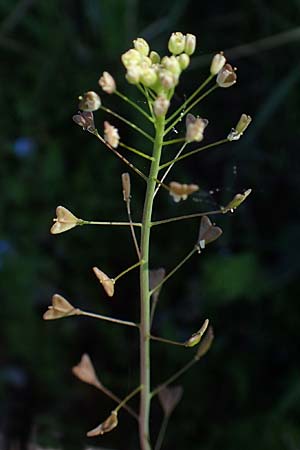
[[246, 391]]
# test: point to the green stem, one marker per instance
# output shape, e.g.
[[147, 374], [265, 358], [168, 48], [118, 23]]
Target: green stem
[[135, 242], [187, 216], [139, 263], [190, 107], [137, 107], [167, 341], [197, 150], [137, 152], [114, 397], [199, 89], [162, 432], [184, 260], [108, 319], [174, 141], [126, 399], [144, 287], [173, 377], [130, 124], [93, 222]]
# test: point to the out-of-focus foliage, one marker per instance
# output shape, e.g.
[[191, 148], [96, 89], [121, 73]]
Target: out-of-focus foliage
[[246, 391]]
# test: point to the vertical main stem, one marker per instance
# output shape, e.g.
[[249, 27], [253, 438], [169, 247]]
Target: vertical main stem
[[145, 291]]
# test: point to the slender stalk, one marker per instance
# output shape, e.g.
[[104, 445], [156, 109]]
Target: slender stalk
[[130, 124], [170, 166], [137, 107], [107, 318], [174, 377], [139, 263], [187, 216], [135, 242], [190, 107], [174, 141], [128, 224], [137, 152], [188, 100], [167, 341], [197, 150], [162, 432], [128, 397], [114, 397], [184, 260], [144, 286]]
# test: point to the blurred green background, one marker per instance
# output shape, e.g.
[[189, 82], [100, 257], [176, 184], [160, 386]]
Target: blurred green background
[[246, 391]]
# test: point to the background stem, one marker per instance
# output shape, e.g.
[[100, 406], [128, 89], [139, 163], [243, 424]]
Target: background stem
[[145, 294]]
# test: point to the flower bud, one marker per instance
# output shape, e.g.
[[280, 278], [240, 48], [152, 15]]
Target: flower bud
[[133, 74], [241, 126], [161, 106], [131, 57], [109, 424], [181, 191], [148, 77], [107, 83], [196, 337], [217, 63], [236, 201], [155, 58], [167, 79], [207, 233], [111, 135], [184, 60], [195, 128], [176, 43], [64, 221], [90, 101], [226, 77], [190, 44], [107, 283], [172, 64], [60, 308], [126, 186], [169, 397], [85, 371], [141, 46]]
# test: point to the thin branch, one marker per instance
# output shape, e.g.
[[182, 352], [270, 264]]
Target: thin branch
[[174, 270], [132, 125], [174, 141], [139, 263], [173, 377], [137, 107], [167, 341], [114, 397], [135, 242], [137, 152], [190, 107], [162, 432], [128, 397], [188, 216], [107, 318], [93, 222], [193, 152]]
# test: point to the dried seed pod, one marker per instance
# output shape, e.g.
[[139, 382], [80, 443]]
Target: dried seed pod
[[109, 424], [60, 308], [89, 101], [85, 371], [181, 191], [107, 283], [64, 221], [85, 119], [126, 186], [207, 233], [226, 77], [169, 397]]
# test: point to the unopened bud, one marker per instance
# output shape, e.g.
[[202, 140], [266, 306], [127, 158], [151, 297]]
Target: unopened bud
[[107, 83], [131, 57], [190, 44], [184, 60], [90, 101], [241, 126], [148, 77], [167, 79], [176, 43], [226, 77], [172, 64], [109, 424], [181, 191], [133, 75], [111, 135], [217, 63], [195, 127], [126, 186], [155, 58], [141, 46], [161, 106]]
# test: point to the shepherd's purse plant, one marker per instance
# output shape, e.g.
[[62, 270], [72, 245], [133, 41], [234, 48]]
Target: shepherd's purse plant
[[155, 78]]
